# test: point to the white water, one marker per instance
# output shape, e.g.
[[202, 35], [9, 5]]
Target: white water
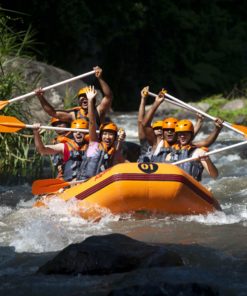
[[24, 229]]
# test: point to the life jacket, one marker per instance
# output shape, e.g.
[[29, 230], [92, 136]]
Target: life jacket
[[146, 157], [163, 152], [82, 114], [91, 166], [57, 159], [193, 168], [76, 156]]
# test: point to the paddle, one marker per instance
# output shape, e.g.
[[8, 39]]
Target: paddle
[[51, 185], [5, 103], [172, 102], [210, 153], [241, 129], [10, 124]]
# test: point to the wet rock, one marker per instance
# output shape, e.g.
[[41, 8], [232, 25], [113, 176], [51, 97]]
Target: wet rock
[[234, 105], [185, 289], [114, 253], [38, 74]]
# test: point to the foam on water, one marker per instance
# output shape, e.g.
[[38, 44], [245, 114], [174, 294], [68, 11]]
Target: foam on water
[[50, 229]]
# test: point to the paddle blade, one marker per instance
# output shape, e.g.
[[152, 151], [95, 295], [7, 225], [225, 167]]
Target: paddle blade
[[3, 104], [48, 186], [10, 124], [241, 128]]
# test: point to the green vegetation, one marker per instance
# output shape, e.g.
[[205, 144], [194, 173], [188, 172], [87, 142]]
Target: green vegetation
[[191, 48], [18, 158]]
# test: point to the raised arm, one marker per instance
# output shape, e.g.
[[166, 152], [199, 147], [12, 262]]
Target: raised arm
[[141, 113], [213, 136], [149, 117], [91, 94], [198, 124], [106, 102], [61, 115], [41, 148]]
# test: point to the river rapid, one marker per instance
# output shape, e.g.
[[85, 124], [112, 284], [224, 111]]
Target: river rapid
[[214, 244]]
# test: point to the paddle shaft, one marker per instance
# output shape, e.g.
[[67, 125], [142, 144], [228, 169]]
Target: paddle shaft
[[211, 153], [172, 102], [55, 128], [52, 86], [203, 113]]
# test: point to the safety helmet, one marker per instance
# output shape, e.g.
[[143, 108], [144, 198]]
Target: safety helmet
[[108, 126], [157, 124], [184, 126], [79, 123], [169, 123], [83, 91], [54, 121]]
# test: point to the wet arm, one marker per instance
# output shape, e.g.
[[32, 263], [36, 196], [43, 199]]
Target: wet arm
[[47, 107], [46, 150], [210, 167], [106, 102], [91, 115], [141, 113]]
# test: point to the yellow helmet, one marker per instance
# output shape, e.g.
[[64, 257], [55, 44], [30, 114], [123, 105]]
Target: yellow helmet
[[83, 91], [108, 126], [184, 126], [169, 123], [157, 124], [54, 120], [79, 123]]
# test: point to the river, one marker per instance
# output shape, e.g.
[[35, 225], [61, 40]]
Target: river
[[216, 243]]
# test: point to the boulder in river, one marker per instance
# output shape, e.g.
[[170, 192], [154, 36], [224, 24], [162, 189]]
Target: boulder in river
[[113, 253]]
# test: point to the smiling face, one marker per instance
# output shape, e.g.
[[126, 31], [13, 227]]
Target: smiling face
[[79, 137], [83, 101], [170, 135], [158, 131], [108, 137], [184, 138]]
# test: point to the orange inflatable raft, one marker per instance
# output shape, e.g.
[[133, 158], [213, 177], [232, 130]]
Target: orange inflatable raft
[[151, 187]]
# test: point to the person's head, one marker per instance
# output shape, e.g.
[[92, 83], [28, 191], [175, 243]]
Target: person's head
[[108, 133], [169, 125], [185, 131], [82, 97], [58, 123], [79, 137], [157, 128]]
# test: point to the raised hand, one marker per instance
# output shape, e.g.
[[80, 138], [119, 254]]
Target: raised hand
[[91, 93]]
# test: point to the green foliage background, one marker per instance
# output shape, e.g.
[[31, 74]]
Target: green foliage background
[[193, 48]]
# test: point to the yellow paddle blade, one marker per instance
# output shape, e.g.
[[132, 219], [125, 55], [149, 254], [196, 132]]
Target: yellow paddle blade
[[48, 186], [10, 124], [3, 104], [241, 128]]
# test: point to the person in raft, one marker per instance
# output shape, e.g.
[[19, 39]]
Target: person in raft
[[161, 134], [61, 137], [159, 149], [72, 151], [81, 112], [185, 149], [104, 150]]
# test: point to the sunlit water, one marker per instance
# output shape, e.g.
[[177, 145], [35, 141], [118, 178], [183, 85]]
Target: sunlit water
[[216, 242]]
